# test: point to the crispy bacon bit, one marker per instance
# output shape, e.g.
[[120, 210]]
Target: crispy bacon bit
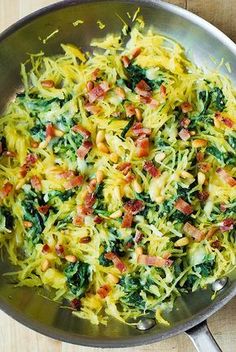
[[159, 262], [227, 224], [226, 177], [151, 169], [184, 134], [134, 206], [89, 85], [125, 60], [129, 177], [36, 183], [29, 161], [153, 103], [193, 231], [163, 90], [223, 208], [44, 209], [9, 154], [116, 261], [139, 130], [98, 219], [48, 83], [130, 110], [94, 109], [136, 52], [204, 167], [103, 291], [75, 304], [127, 220], [6, 190], [98, 91], [142, 147], [78, 220], [226, 120], [199, 156], [185, 122], [186, 107], [124, 167], [89, 200], [59, 250], [203, 196], [27, 224], [216, 244], [46, 248], [138, 237], [85, 239], [143, 89], [75, 181], [50, 131], [66, 174], [84, 149], [183, 206], [81, 130], [95, 74]]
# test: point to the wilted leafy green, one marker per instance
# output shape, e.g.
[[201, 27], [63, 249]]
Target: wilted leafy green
[[77, 275]]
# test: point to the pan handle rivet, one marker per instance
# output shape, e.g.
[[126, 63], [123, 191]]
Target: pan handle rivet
[[145, 324], [219, 284]]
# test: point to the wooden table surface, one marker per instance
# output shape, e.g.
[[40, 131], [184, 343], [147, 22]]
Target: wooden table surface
[[14, 337]]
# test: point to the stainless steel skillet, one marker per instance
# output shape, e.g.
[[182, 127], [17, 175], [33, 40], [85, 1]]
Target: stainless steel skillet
[[202, 41]]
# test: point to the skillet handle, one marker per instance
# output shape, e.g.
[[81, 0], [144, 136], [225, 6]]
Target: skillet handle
[[202, 338]]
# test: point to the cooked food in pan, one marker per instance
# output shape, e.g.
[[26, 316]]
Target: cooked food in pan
[[117, 176]]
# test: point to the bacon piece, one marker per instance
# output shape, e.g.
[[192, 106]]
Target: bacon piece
[[59, 250], [116, 261], [226, 120], [203, 196], [139, 130], [44, 209], [29, 161], [129, 177], [127, 220], [136, 52], [9, 154], [95, 74], [81, 130], [89, 200], [193, 231], [151, 169], [216, 244], [98, 91], [153, 103], [78, 220], [6, 190], [94, 109], [48, 83], [36, 183], [84, 149], [226, 177], [103, 291], [159, 262], [199, 156], [46, 248], [204, 167], [163, 90], [186, 107], [130, 110], [142, 147], [124, 167], [138, 236], [75, 304], [185, 122], [184, 134], [223, 208], [50, 131], [125, 60], [66, 174], [134, 206], [183, 206], [143, 89], [98, 219], [76, 181], [227, 224]]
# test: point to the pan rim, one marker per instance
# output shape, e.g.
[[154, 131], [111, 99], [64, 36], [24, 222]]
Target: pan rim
[[181, 327]]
